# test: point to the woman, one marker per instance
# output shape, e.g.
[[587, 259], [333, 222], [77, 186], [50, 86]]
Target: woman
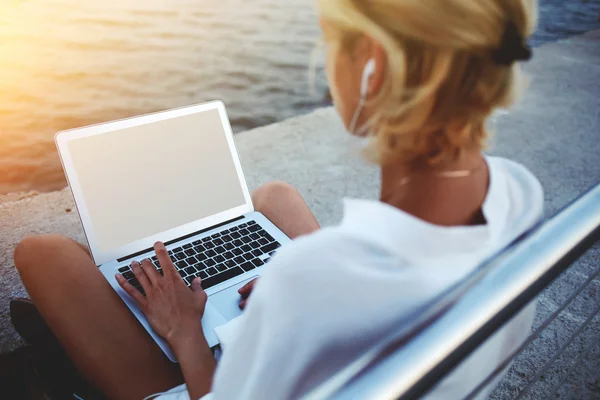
[[420, 79]]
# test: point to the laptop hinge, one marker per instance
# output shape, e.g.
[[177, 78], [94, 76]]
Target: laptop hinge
[[181, 238]]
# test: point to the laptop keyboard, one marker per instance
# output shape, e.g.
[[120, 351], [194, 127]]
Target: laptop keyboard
[[218, 257]]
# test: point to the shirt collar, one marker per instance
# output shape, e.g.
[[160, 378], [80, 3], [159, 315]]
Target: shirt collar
[[416, 240]]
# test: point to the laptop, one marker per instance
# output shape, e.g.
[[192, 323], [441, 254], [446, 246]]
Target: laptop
[[172, 176]]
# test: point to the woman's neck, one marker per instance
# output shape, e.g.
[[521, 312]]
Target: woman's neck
[[433, 195]]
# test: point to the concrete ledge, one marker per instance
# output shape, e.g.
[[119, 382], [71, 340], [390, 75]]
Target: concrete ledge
[[554, 131]]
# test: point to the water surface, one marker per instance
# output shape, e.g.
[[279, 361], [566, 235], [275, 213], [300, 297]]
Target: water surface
[[69, 63]]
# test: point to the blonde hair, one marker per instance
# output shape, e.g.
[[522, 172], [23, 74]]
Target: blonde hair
[[441, 83]]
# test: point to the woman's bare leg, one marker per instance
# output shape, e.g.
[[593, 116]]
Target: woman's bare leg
[[283, 205], [98, 332]]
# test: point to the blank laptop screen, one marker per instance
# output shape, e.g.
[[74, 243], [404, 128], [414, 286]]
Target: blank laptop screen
[[144, 180]]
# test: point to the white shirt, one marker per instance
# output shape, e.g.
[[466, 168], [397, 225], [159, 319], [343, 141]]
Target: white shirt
[[328, 297]]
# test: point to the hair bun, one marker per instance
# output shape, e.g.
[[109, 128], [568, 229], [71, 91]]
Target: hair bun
[[512, 48]]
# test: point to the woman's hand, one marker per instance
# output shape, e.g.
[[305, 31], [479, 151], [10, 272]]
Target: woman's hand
[[174, 311], [245, 291]]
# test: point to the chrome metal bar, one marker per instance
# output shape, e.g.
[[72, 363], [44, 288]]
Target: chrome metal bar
[[534, 335], [411, 370]]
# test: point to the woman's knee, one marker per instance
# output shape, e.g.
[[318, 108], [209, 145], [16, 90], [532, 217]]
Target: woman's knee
[[273, 191], [35, 248]]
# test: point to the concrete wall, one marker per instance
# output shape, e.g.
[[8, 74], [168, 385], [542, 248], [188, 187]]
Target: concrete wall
[[555, 131]]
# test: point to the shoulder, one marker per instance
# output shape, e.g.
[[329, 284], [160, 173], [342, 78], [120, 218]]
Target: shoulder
[[522, 185]]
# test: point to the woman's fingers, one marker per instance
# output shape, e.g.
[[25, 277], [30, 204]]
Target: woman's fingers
[[243, 304], [141, 276], [197, 285], [150, 271], [165, 261], [247, 288], [130, 290]]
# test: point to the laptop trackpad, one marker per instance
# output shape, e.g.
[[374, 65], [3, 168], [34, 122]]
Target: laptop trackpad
[[227, 301], [211, 319]]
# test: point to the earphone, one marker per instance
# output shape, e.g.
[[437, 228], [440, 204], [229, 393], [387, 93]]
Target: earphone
[[364, 89], [367, 72]]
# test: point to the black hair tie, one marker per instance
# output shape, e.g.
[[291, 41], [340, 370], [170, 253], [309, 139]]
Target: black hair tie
[[512, 48]]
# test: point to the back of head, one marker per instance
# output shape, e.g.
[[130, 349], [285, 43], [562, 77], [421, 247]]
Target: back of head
[[447, 69]]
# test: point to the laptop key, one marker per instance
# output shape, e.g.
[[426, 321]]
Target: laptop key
[[246, 247], [219, 258], [238, 243], [239, 260], [218, 242], [254, 236], [246, 239], [124, 269], [229, 246], [172, 257], [134, 282], [201, 257], [228, 255], [243, 225], [209, 263], [262, 232], [236, 235], [230, 263], [225, 232], [247, 266], [248, 256], [210, 253], [203, 275], [189, 279], [190, 252], [255, 245], [216, 235], [181, 264], [199, 248], [220, 249], [191, 270], [269, 237], [252, 223], [197, 242], [192, 260], [237, 252], [257, 262], [233, 229], [270, 247], [221, 267], [187, 246], [182, 273], [209, 245], [226, 238], [128, 275], [244, 232], [178, 249], [201, 266], [263, 241], [254, 228], [222, 277], [179, 256], [211, 271], [257, 252], [206, 239]]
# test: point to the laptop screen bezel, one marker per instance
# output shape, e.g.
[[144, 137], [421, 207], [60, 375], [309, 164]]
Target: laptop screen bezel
[[103, 256]]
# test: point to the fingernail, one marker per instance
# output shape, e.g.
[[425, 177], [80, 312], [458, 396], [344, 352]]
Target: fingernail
[[118, 276]]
